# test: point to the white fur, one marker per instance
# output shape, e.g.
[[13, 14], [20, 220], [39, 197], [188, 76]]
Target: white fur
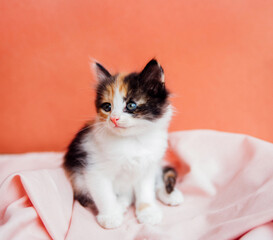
[[173, 199], [123, 165]]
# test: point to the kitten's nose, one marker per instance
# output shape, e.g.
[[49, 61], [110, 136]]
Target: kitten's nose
[[114, 120]]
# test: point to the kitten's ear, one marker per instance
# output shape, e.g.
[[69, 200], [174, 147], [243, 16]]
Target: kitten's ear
[[100, 72], [153, 71]]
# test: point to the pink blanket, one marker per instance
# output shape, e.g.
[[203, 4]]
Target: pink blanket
[[228, 193]]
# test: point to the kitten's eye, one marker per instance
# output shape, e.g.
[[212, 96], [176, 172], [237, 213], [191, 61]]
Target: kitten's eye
[[131, 106], [106, 107]]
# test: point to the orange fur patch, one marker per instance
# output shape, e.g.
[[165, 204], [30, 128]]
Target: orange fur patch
[[122, 87], [142, 206], [103, 116], [109, 94]]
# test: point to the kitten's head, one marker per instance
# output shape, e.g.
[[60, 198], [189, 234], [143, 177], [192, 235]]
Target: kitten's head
[[128, 104]]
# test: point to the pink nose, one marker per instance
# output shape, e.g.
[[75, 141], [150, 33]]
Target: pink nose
[[114, 120]]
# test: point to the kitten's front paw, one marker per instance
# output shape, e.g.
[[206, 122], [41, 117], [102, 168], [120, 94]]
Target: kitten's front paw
[[149, 214], [112, 220], [173, 199]]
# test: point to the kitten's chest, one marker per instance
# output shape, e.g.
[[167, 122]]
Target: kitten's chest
[[135, 152], [131, 150], [132, 160]]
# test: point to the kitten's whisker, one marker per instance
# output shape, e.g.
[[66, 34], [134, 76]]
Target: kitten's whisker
[[98, 129]]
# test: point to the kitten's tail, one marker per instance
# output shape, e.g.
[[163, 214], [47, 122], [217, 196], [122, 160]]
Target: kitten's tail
[[167, 193], [169, 178]]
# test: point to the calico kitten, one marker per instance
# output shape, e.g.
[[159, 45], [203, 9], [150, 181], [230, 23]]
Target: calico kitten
[[116, 159]]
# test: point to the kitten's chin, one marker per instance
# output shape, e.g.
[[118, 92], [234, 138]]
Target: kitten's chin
[[126, 131], [121, 131]]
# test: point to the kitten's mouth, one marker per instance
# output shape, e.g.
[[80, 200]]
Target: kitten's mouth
[[118, 126]]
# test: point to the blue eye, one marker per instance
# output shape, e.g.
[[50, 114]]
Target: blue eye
[[131, 106], [106, 107]]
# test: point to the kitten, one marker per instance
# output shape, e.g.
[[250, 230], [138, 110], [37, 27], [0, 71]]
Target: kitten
[[116, 159]]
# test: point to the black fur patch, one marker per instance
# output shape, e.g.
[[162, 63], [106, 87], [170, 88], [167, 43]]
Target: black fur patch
[[75, 158], [148, 85], [86, 201], [169, 178], [83, 199]]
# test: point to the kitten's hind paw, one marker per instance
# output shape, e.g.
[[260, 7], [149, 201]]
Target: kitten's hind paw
[[109, 221], [150, 214], [173, 199]]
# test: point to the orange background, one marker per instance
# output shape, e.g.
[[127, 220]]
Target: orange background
[[217, 57]]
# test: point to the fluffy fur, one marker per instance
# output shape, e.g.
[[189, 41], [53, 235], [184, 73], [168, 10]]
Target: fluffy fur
[[115, 160]]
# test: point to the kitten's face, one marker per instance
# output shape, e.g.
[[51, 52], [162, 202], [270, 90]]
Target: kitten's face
[[129, 104]]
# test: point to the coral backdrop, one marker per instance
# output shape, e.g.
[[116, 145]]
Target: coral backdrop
[[217, 57]]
